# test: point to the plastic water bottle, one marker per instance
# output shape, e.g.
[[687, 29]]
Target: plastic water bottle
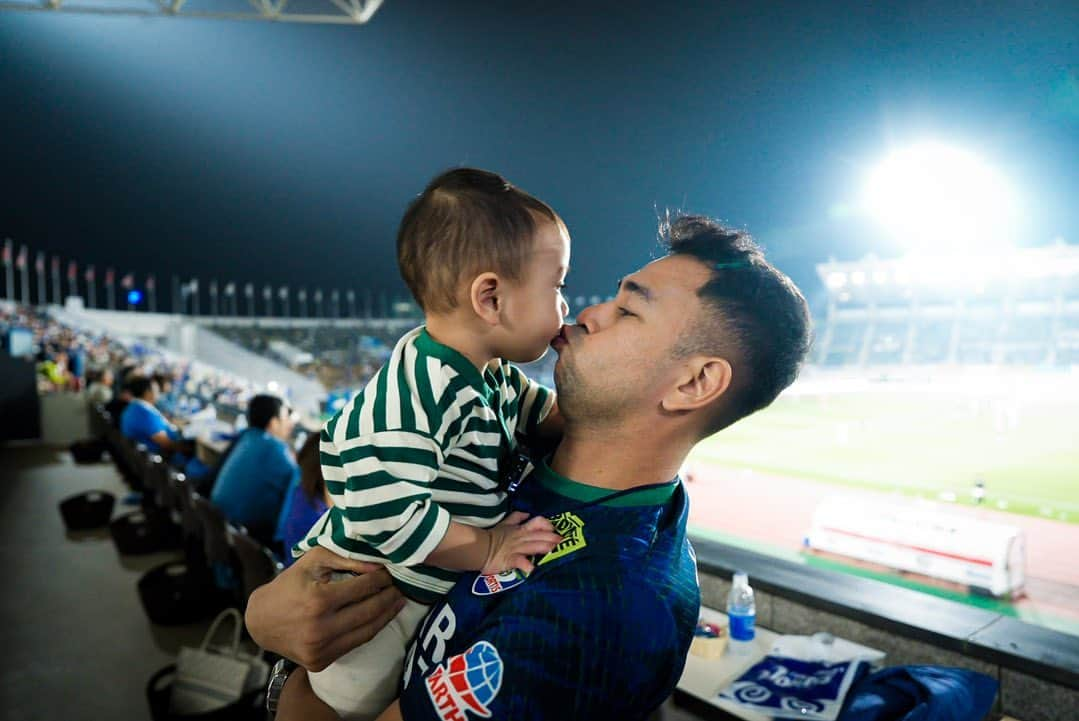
[[241, 423], [742, 614]]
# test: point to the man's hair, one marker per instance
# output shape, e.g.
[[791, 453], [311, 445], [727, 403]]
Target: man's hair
[[162, 379], [466, 222], [262, 409], [753, 315], [137, 384]]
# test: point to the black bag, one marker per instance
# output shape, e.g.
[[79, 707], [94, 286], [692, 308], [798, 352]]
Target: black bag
[[87, 451], [159, 689], [173, 594], [141, 532], [84, 511]]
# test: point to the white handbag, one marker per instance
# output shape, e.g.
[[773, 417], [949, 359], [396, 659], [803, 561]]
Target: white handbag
[[209, 677]]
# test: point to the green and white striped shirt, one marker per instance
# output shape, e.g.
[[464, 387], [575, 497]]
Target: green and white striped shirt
[[421, 445]]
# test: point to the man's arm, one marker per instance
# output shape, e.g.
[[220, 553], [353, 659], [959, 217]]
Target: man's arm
[[164, 441], [306, 617]]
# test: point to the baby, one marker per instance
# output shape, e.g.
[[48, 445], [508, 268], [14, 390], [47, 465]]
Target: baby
[[413, 462]]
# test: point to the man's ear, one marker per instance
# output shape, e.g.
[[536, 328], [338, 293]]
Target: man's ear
[[704, 380], [485, 294]]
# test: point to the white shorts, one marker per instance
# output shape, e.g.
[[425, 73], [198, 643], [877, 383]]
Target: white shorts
[[363, 683]]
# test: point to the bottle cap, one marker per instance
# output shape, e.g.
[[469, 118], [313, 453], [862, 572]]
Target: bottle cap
[[741, 578]]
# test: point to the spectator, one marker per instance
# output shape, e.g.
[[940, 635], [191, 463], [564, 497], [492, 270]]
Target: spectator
[[306, 500], [143, 423], [166, 400], [99, 392], [258, 472], [119, 402]]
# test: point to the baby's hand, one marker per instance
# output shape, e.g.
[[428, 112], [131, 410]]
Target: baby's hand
[[513, 541]]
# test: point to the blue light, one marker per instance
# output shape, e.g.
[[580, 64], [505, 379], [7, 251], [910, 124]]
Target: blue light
[[134, 297]]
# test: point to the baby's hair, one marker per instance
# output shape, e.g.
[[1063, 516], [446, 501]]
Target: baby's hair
[[466, 222]]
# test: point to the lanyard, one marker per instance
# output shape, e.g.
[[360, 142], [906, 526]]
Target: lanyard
[[519, 464]]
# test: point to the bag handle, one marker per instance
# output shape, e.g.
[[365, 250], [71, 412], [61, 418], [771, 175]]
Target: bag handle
[[228, 613]]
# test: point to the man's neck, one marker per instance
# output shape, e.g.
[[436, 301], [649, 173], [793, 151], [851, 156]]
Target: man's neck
[[617, 460], [455, 333]]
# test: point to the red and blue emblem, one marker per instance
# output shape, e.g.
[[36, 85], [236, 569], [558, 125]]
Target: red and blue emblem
[[485, 585], [468, 682]]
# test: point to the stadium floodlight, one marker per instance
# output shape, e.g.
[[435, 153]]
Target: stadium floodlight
[[836, 280], [940, 197]]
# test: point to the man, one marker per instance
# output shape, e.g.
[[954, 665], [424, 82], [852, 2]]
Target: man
[[142, 422], [692, 343], [258, 469]]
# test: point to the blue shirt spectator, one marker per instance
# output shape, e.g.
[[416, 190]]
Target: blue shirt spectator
[[253, 480], [142, 422], [305, 502]]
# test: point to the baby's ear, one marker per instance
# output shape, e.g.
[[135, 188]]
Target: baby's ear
[[485, 294]]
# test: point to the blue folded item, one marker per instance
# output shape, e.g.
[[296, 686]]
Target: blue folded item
[[784, 687], [921, 693]]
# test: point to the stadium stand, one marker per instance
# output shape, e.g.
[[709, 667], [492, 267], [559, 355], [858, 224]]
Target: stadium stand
[[925, 309]]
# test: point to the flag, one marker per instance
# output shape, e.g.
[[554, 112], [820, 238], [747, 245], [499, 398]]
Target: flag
[[150, 285], [110, 276], [249, 290], [20, 261], [7, 252], [39, 262], [56, 264], [73, 272], [128, 281], [230, 288], [267, 292], [283, 293], [89, 271]]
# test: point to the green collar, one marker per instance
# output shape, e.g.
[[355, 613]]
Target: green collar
[[583, 492], [454, 359]]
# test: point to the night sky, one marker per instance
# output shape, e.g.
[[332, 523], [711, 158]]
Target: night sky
[[286, 153]]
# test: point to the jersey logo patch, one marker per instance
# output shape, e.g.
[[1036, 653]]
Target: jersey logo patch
[[497, 582], [467, 682], [571, 528]]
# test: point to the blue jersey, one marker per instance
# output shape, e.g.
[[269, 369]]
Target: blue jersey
[[600, 629]]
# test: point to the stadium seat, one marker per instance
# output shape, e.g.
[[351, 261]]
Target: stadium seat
[[215, 539], [190, 524], [258, 565]]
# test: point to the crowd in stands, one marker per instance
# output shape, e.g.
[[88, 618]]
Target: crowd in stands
[[260, 483], [339, 357], [151, 395]]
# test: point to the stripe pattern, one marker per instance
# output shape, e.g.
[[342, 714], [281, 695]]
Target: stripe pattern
[[419, 446]]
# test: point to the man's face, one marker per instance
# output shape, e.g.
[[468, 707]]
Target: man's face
[[283, 424], [618, 360]]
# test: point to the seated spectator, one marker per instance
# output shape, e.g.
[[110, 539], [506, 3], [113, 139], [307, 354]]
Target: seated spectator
[[259, 470], [143, 423], [119, 402], [166, 399], [306, 500], [99, 390]]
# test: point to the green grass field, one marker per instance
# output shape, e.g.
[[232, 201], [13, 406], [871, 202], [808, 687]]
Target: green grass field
[[1023, 446]]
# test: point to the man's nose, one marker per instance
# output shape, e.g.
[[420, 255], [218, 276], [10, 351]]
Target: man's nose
[[589, 318]]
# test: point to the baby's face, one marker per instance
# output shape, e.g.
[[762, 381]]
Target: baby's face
[[535, 306]]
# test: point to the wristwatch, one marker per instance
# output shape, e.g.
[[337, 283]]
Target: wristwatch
[[278, 676]]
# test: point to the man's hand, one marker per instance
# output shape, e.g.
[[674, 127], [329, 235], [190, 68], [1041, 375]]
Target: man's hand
[[513, 541], [306, 616]]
